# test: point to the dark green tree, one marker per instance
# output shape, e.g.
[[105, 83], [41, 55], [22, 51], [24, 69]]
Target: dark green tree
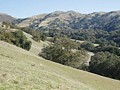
[[106, 64], [63, 52]]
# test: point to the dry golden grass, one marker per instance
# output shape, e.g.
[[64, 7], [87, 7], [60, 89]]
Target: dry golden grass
[[24, 70]]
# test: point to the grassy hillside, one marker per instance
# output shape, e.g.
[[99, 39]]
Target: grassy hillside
[[36, 46], [23, 70], [71, 20], [6, 18]]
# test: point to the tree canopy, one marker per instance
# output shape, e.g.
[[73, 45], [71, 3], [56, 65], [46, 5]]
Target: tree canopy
[[62, 52], [106, 64]]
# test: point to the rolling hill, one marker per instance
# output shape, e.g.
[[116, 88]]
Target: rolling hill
[[72, 20], [6, 18], [24, 70]]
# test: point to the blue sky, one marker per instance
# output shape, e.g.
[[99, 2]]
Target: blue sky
[[25, 8]]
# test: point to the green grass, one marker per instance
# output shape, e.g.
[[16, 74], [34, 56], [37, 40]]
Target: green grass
[[23, 70]]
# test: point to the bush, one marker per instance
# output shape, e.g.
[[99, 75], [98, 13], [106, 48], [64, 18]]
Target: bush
[[21, 40], [17, 38]]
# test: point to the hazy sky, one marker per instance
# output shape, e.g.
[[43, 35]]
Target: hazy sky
[[25, 8]]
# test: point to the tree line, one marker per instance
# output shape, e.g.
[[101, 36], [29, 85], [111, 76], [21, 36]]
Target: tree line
[[36, 35], [16, 37]]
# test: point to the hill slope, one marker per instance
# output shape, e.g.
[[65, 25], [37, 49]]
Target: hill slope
[[73, 20], [36, 47], [6, 18], [22, 70]]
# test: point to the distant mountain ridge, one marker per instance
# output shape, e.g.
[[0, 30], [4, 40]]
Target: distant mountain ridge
[[6, 18], [70, 20], [73, 20]]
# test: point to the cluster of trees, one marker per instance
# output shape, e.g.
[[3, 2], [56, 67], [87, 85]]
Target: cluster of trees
[[104, 38], [8, 25], [37, 35], [105, 64], [17, 38], [64, 51], [110, 49], [90, 47], [106, 60]]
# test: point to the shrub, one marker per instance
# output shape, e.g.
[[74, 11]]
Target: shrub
[[17, 38]]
